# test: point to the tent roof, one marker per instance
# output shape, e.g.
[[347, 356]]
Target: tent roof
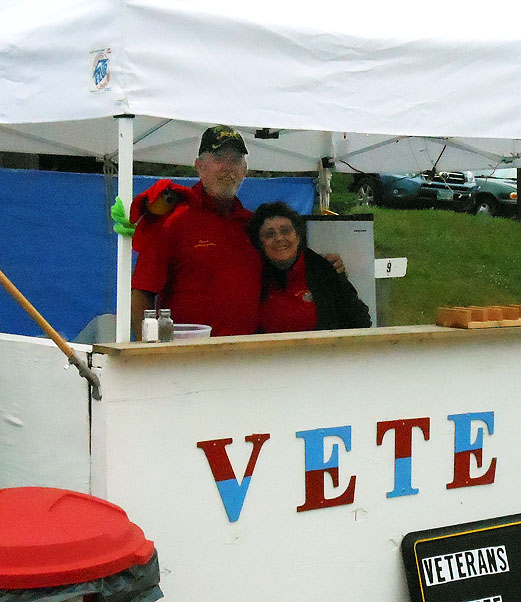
[[399, 81]]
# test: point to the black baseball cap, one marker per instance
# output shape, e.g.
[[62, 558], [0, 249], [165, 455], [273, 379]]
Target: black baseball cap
[[219, 136]]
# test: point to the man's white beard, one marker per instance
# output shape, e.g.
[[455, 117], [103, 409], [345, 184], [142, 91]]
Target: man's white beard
[[227, 190]]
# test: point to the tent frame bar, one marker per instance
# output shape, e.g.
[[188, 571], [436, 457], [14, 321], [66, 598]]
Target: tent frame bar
[[124, 264]]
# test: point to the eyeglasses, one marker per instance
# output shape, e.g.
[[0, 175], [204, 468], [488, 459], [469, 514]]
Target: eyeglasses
[[271, 233]]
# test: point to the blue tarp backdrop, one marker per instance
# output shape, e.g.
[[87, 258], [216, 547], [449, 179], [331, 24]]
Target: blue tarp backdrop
[[59, 250]]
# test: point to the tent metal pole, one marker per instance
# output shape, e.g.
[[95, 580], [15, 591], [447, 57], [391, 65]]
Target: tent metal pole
[[324, 186], [124, 267], [518, 204], [324, 172]]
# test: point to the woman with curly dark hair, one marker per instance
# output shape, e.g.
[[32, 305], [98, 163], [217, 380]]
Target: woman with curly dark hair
[[300, 289]]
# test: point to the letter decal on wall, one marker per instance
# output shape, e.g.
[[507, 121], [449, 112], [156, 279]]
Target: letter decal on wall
[[316, 467], [232, 494], [464, 448], [402, 451]]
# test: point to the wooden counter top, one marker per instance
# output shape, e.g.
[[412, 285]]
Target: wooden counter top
[[302, 339]]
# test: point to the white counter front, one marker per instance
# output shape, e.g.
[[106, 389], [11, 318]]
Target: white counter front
[[289, 467]]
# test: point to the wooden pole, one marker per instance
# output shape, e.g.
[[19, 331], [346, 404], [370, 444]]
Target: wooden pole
[[83, 369]]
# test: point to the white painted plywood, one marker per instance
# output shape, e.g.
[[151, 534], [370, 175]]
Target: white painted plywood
[[44, 416], [158, 407]]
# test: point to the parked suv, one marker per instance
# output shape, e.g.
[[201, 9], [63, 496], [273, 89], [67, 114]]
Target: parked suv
[[441, 190], [497, 192]]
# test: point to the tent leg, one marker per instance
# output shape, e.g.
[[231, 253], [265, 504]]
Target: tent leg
[[324, 187], [124, 267], [518, 204], [324, 173]]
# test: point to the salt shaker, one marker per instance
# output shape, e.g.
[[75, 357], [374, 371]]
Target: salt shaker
[[166, 326], [150, 327]]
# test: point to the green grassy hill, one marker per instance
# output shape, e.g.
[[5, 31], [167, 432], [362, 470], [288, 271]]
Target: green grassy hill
[[453, 259]]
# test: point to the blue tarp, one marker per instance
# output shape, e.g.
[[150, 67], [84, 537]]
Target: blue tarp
[[59, 250]]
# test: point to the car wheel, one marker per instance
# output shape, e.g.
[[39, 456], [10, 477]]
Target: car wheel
[[367, 192], [486, 205]]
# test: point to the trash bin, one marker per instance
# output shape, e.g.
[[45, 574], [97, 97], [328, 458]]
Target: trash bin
[[58, 545]]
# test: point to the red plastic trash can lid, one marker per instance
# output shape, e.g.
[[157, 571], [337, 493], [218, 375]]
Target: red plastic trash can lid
[[51, 537]]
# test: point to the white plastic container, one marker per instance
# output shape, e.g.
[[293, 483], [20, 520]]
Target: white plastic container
[[191, 331]]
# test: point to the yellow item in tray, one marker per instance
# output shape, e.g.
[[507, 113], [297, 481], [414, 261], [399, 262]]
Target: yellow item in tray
[[490, 316]]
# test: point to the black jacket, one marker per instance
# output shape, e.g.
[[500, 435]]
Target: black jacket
[[338, 305], [336, 299]]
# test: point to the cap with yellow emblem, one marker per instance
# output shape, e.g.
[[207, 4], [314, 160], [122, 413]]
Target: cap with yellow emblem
[[221, 136]]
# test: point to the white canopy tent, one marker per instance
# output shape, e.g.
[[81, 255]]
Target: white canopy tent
[[372, 89]]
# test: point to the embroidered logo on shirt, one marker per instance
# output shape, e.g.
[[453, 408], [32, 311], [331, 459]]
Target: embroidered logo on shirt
[[204, 243]]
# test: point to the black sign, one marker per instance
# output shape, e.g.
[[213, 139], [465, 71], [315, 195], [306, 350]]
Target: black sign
[[473, 562]]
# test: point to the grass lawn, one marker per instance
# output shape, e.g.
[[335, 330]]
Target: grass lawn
[[453, 258]]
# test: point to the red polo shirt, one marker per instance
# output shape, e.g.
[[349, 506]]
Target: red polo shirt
[[204, 267], [289, 309]]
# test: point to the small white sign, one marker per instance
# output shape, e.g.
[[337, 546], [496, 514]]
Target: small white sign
[[394, 267]]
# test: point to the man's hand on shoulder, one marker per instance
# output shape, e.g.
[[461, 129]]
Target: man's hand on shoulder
[[336, 261]]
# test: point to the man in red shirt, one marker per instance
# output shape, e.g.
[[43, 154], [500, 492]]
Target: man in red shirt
[[201, 264], [198, 259]]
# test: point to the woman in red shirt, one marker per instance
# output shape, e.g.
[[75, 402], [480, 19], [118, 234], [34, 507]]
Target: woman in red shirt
[[300, 289]]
